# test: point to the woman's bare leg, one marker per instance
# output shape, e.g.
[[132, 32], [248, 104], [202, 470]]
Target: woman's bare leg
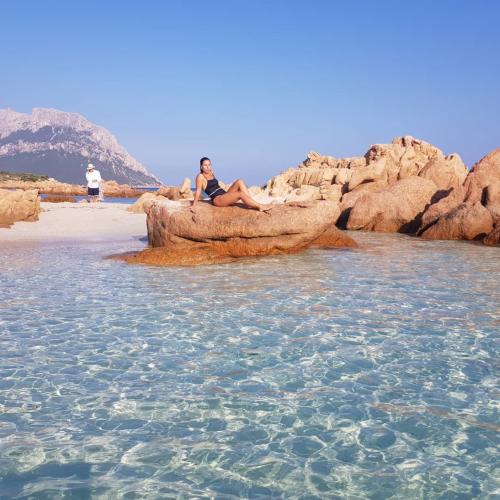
[[239, 185], [232, 197]]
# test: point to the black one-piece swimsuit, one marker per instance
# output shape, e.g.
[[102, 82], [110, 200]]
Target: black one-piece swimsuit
[[213, 189]]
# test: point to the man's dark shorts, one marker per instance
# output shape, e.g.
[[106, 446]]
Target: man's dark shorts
[[93, 191]]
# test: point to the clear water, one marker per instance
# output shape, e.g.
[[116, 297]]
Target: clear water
[[106, 199], [349, 374]]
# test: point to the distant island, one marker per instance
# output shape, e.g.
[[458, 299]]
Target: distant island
[[59, 144]]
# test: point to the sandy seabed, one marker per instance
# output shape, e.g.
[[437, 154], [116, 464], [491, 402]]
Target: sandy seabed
[[79, 221]]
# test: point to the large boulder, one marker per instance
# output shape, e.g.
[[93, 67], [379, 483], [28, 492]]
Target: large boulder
[[483, 182], [395, 208], [441, 203], [467, 221], [447, 172], [331, 192], [183, 235], [349, 199], [404, 157], [19, 205], [376, 171]]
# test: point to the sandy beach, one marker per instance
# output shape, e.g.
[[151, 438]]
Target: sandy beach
[[79, 222]]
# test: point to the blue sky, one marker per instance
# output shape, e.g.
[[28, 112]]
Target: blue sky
[[257, 84]]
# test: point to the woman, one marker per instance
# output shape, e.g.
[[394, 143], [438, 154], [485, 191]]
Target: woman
[[238, 190], [93, 183]]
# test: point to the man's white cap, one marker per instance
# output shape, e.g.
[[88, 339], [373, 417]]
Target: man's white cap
[[90, 166]]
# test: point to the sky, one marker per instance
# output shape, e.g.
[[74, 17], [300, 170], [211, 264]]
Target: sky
[[257, 84]]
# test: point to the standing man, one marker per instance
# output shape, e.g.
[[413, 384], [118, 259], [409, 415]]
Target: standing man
[[93, 183]]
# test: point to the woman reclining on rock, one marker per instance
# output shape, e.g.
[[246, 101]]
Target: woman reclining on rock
[[206, 181]]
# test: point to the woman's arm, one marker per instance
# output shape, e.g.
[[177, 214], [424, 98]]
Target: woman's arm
[[199, 187]]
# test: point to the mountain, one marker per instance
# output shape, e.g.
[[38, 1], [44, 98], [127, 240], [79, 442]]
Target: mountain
[[60, 145]]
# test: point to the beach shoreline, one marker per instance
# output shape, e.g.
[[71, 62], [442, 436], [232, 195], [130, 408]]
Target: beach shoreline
[[79, 223]]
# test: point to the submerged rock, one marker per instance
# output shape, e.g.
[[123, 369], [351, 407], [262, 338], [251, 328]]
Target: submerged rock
[[183, 235], [18, 205]]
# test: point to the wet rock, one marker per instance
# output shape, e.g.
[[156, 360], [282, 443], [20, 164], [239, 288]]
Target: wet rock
[[494, 237], [333, 237]]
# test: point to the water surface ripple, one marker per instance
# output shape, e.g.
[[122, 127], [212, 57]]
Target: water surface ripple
[[330, 374]]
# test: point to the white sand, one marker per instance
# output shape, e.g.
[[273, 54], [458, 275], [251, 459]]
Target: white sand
[[79, 221]]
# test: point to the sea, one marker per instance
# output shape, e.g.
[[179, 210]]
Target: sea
[[108, 199], [364, 373]]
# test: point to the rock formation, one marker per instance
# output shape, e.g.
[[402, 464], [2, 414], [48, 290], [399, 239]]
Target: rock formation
[[406, 186], [383, 164], [166, 192], [18, 206], [183, 235], [50, 186], [59, 198], [110, 188], [176, 193], [472, 210]]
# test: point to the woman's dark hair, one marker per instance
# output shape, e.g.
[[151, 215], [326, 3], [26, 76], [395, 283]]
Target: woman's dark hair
[[202, 160]]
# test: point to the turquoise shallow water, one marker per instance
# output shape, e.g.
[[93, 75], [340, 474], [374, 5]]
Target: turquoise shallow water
[[329, 374], [107, 199]]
